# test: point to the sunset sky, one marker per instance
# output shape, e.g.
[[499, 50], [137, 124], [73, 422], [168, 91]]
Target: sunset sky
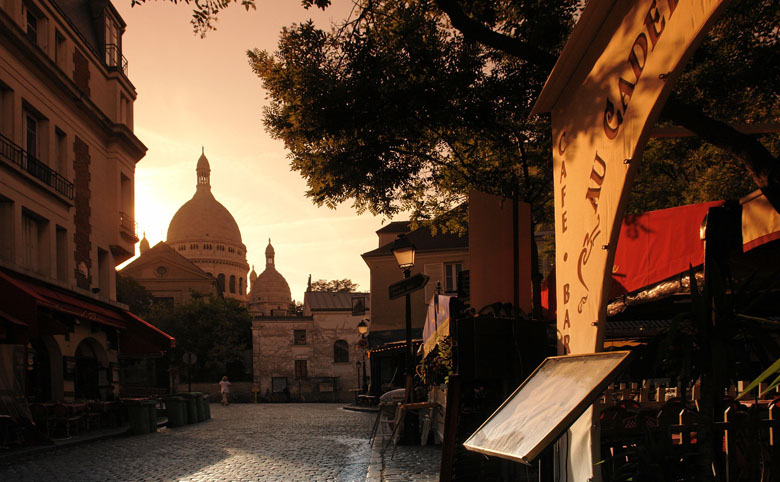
[[195, 92]]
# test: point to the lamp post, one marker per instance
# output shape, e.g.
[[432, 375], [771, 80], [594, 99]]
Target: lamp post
[[363, 329], [403, 250]]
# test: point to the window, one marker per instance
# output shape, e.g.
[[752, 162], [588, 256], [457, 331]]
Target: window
[[113, 52], [34, 243], [6, 109], [60, 152], [104, 272], [232, 284], [220, 247], [31, 135], [299, 337], [59, 49], [6, 229], [166, 301], [340, 352], [194, 246], [358, 306], [451, 275], [231, 250], [62, 253], [241, 286], [207, 246], [300, 369], [32, 26], [182, 247], [221, 282]]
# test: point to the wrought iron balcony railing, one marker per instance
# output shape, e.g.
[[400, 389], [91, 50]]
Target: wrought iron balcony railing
[[18, 156], [128, 223], [115, 59]]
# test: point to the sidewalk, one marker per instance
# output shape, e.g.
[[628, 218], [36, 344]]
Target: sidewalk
[[411, 463]]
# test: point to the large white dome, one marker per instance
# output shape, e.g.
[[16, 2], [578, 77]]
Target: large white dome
[[203, 218]]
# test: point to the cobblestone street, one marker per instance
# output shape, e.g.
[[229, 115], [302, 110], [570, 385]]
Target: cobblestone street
[[242, 442]]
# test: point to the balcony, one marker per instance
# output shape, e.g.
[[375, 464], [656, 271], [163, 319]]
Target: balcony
[[115, 60], [17, 156], [129, 227]]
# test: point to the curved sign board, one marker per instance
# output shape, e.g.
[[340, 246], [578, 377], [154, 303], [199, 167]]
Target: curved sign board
[[605, 94]]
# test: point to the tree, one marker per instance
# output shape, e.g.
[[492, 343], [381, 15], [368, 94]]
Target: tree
[[732, 80], [134, 295], [333, 285], [217, 330]]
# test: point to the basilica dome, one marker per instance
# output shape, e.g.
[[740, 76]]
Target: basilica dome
[[203, 217], [204, 232], [270, 291]]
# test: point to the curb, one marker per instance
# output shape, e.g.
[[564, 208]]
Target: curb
[[375, 463]]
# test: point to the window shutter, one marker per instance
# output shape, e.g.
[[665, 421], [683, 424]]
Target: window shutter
[[436, 272]]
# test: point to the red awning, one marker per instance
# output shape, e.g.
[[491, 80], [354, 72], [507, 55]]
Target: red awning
[[657, 245], [142, 337], [21, 297]]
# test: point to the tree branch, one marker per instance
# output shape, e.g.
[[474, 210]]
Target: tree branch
[[476, 31], [764, 168]]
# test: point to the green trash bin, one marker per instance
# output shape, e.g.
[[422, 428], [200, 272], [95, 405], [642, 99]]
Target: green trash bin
[[176, 409], [200, 405], [192, 406], [151, 405], [139, 414], [207, 405]]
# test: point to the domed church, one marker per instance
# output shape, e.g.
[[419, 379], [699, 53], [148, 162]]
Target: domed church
[[270, 295], [204, 232]]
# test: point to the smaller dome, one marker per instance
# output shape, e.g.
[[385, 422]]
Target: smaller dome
[[144, 246], [269, 250]]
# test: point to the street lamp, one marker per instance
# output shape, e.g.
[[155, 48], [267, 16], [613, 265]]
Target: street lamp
[[363, 329], [403, 250]]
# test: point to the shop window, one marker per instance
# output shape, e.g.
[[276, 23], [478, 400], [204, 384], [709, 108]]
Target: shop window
[[299, 337], [340, 352], [232, 284], [300, 369], [451, 275]]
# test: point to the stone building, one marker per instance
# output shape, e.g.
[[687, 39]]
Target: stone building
[[168, 276], [313, 356], [67, 164], [204, 232]]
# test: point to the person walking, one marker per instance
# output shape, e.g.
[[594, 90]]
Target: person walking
[[224, 389]]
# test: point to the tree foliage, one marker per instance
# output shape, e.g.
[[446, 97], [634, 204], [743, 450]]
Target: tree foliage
[[134, 295], [395, 110], [334, 285], [218, 331]]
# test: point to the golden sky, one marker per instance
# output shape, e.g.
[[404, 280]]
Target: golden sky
[[195, 92]]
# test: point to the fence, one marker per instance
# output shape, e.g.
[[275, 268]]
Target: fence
[[650, 430]]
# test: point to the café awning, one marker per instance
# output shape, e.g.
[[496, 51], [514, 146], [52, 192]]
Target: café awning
[[22, 298]]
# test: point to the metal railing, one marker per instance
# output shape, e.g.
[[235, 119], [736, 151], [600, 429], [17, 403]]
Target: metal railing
[[115, 59], [128, 223], [18, 156]]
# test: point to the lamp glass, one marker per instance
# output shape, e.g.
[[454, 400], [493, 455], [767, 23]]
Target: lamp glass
[[362, 327], [404, 256]]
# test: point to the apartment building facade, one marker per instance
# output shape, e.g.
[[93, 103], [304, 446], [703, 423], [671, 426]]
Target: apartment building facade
[[67, 163]]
